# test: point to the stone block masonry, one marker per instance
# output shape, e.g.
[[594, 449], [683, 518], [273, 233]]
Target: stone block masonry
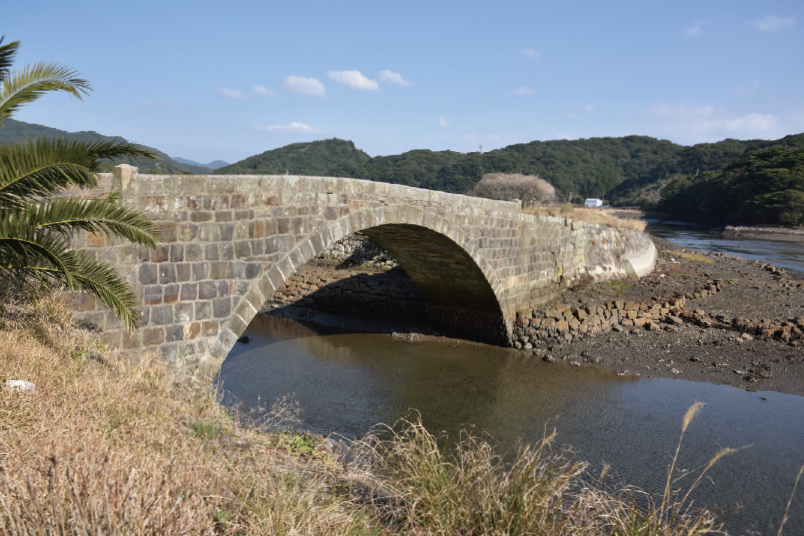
[[231, 241], [356, 291], [356, 250]]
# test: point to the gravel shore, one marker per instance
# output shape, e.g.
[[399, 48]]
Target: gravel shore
[[707, 345]]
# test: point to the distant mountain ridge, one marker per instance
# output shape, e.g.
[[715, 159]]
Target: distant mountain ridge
[[215, 164], [626, 171], [631, 170], [323, 157], [12, 131]]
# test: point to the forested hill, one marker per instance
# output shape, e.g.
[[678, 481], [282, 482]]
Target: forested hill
[[12, 130], [327, 157], [584, 167], [625, 169], [692, 161], [763, 187]]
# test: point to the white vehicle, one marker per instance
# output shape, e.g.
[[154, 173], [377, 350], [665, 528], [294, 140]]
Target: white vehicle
[[593, 203]]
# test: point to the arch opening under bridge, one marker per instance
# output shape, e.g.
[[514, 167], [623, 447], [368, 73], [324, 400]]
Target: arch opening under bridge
[[457, 294]]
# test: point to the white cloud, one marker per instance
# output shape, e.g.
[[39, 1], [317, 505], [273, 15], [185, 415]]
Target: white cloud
[[530, 53], [708, 123], [696, 28], [301, 85], [442, 122], [580, 109], [262, 90], [526, 90], [355, 80], [745, 91], [394, 78], [233, 94], [771, 23], [292, 128]]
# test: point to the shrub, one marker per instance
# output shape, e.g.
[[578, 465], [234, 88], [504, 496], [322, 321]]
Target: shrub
[[531, 190]]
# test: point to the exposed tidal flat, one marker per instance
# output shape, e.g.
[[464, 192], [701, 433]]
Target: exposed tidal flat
[[345, 383]]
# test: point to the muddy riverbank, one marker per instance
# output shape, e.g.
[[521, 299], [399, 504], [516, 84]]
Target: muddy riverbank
[[737, 335], [700, 316]]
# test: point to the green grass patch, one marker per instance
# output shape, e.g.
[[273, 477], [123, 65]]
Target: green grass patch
[[616, 287], [208, 430], [300, 445], [695, 258]]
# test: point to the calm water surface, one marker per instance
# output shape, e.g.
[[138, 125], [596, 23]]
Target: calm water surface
[[347, 382], [787, 254]]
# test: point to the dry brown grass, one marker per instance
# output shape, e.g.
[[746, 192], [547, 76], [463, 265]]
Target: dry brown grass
[[423, 487], [590, 215], [106, 446]]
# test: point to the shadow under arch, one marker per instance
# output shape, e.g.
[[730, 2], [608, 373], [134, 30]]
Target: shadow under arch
[[458, 298]]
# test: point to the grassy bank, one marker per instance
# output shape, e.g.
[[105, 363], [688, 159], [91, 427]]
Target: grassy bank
[[106, 446], [589, 215]]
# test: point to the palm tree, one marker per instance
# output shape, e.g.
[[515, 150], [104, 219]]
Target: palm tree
[[36, 222]]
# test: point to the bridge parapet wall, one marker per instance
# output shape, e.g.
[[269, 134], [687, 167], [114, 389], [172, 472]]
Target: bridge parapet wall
[[231, 241]]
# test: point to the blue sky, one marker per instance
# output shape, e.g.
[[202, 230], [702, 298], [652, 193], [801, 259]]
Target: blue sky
[[207, 80]]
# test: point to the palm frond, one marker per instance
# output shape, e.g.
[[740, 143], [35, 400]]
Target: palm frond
[[40, 168], [78, 272], [69, 214], [25, 250], [7, 53], [32, 81], [34, 230], [102, 281]]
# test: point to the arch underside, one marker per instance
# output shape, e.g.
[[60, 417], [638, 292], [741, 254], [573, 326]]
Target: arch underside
[[458, 298]]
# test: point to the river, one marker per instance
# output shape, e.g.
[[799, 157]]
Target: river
[[784, 253], [347, 382]]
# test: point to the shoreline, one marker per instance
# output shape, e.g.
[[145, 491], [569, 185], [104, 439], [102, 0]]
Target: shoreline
[[769, 232], [700, 316]]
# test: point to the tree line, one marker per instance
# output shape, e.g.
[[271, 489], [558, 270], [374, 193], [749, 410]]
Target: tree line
[[621, 170], [630, 170], [764, 187]]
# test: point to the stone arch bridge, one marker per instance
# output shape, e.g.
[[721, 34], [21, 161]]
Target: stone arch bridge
[[231, 241]]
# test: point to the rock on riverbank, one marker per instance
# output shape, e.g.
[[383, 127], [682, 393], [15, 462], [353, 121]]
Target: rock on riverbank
[[729, 321]]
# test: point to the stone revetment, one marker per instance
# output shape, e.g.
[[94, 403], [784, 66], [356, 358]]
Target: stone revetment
[[230, 241]]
